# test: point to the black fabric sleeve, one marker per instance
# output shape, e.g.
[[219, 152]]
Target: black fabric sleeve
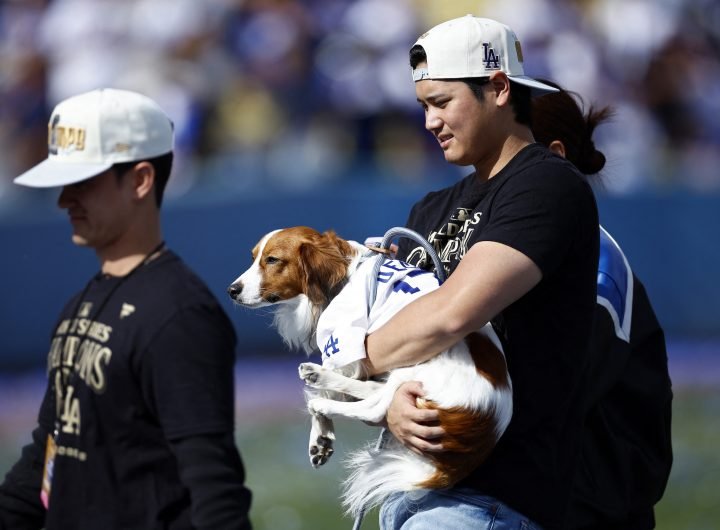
[[187, 375], [211, 468], [607, 355], [20, 506]]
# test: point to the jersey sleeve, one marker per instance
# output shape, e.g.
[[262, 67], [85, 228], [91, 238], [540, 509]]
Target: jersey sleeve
[[187, 373], [543, 215]]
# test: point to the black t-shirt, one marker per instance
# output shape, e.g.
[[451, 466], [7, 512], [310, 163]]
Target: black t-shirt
[[541, 206], [148, 360]]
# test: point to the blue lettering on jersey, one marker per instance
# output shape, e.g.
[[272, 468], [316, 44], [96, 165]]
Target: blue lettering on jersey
[[397, 265], [402, 285], [331, 344], [384, 277], [405, 287], [394, 265]]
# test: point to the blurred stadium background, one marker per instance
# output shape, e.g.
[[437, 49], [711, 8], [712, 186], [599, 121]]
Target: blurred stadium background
[[302, 112]]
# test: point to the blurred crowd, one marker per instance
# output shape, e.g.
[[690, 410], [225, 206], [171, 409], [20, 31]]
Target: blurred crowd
[[294, 94]]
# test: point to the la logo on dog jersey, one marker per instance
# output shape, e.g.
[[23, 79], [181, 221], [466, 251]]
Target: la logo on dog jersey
[[332, 346], [491, 59]]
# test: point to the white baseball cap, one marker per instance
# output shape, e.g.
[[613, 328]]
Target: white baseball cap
[[469, 47], [90, 132]]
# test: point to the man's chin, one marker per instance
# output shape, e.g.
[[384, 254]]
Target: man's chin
[[455, 160]]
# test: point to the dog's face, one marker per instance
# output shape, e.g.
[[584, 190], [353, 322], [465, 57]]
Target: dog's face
[[292, 262]]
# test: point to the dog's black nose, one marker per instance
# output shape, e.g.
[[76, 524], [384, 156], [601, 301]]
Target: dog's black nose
[[235, 289]]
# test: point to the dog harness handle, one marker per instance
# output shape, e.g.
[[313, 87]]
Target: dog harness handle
[[387, 239]]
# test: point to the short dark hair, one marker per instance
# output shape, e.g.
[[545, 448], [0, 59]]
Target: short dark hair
[[163, 167], [520, 96], [475, 84]]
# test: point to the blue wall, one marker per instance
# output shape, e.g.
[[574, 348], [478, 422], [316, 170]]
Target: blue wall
[[671, 242]]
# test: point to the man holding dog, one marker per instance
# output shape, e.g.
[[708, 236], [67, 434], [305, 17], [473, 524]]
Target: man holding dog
[[136, 429], [519, 240]]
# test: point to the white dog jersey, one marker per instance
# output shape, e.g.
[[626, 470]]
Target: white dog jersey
[[345, 322]]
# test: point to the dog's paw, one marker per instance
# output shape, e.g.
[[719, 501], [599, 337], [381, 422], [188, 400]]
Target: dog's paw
[[310, 373], [321, 449], [318, 406]]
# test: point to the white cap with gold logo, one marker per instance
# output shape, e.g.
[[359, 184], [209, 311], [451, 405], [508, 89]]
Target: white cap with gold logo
[[90, 132], [471, 46]]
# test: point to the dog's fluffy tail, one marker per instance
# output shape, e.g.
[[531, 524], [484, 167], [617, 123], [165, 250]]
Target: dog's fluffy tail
[[376, 474]]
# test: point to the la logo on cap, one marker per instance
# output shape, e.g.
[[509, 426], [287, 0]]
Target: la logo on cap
[[491, 60], [471, 47]]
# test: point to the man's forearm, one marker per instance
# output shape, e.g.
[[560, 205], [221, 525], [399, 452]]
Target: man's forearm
[[418, 332], [488, 279]]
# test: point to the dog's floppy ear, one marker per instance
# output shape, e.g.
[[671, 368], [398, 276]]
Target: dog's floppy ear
[[324, 262]]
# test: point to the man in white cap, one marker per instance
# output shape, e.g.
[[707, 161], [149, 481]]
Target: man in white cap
[[519, 241], [136, 426]]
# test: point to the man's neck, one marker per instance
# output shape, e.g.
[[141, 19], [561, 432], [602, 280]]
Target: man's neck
[[124, 256], [510, 147]]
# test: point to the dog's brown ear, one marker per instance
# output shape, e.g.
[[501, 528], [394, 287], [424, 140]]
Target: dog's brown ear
[[324, 262]]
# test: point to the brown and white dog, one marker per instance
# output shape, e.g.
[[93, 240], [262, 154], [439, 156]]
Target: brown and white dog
[[315, 281]]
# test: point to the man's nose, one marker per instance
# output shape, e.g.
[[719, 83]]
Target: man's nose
[[432, 121]]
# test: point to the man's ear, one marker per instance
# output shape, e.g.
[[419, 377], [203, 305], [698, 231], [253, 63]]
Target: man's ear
[[557, 147], [501, 86], [143, 179]]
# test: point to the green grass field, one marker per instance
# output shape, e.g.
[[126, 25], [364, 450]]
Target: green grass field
[[290, 495]]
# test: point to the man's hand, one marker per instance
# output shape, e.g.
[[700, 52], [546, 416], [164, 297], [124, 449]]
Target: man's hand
[[417, 429]]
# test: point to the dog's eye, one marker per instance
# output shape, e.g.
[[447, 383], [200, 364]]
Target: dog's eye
[[270, 260]]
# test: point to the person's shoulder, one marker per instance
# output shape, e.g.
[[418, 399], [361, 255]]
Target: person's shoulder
[[172, 278], [442, 195], [539, 168], [186, 299], [538, 159]]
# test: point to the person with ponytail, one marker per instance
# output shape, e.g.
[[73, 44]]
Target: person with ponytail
[[626, 450]]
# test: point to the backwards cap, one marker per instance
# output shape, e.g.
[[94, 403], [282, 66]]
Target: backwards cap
[[90, 132], [469, 47]]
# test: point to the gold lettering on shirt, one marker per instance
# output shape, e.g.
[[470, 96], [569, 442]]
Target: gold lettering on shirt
[[84, 353]]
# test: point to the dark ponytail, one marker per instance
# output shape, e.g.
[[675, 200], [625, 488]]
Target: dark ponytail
[[559, 116]]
